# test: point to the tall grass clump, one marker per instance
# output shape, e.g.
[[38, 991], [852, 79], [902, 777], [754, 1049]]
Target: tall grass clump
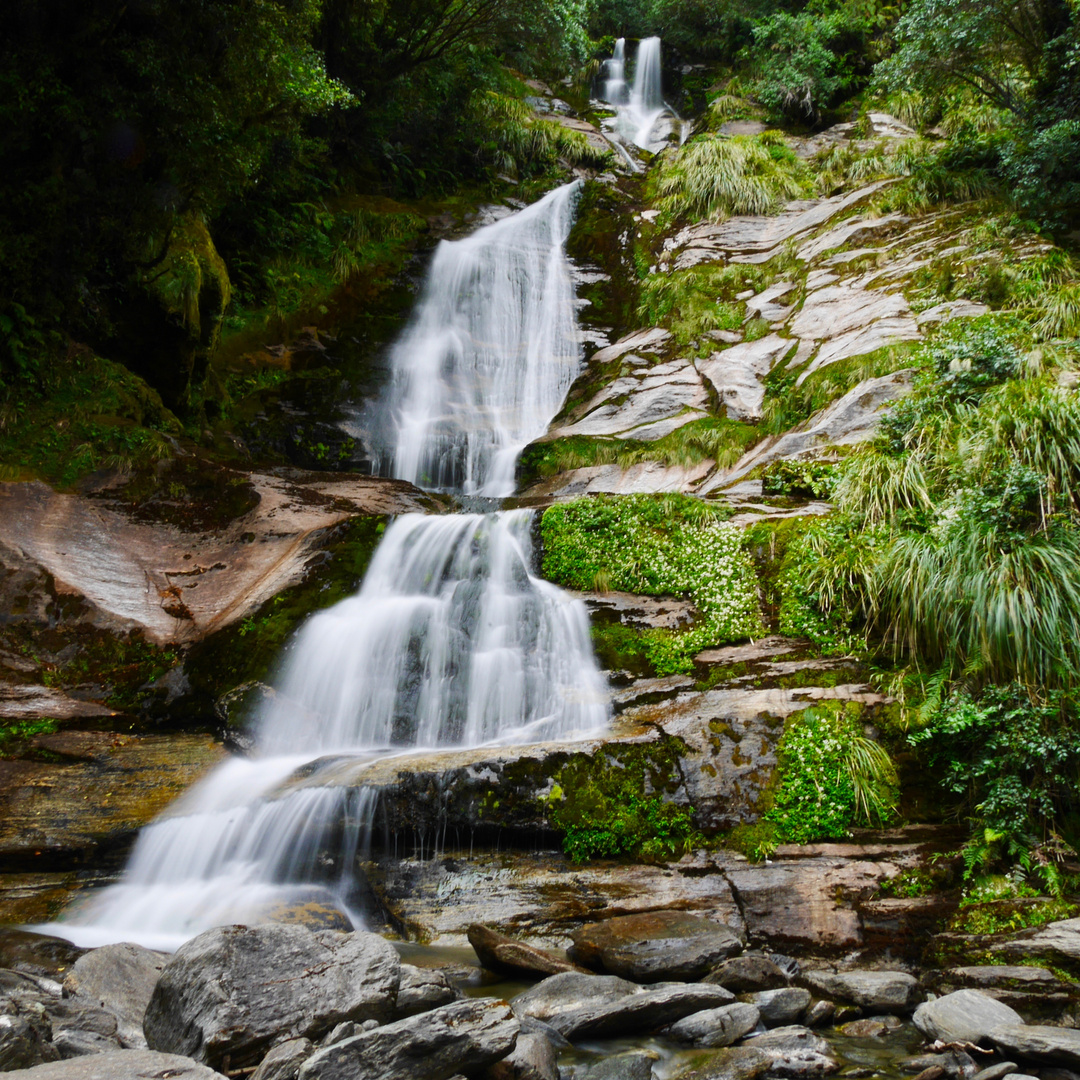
[[716, 176]]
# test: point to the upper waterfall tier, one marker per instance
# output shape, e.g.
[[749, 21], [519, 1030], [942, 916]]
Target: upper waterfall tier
[[450, 641], [489, 354]]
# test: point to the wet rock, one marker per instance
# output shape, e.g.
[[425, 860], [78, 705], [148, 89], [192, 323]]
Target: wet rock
[[120, 978], [879, 991], [507, 956], [738, 374], [716, 1028], [1058, 942], [1037, 1043], [80, 1029], [284, 1060], [124, 1065], [605, 1005], [213, 999], [750, 972], [25, 1036], [963, 1016], [37, 954], [533, 1058], [795, 1051], [820, 1014], [314, 909], [996, 1072], [873, 1027], [734, 1063], [633, 1065], [467, 1035], [422, 989], [781, 1007], [656, 946]]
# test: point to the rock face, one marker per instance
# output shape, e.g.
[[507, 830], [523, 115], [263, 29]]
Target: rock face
[[124, 1065], [213, 999], [506, 956], [120, 978], [434, 1046], [876, 991], [579, 1006], [654, 947], [963, 1016]]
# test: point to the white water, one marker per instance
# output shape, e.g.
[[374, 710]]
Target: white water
[[489, 354], [616, 92], [637, 120], [451, 640]]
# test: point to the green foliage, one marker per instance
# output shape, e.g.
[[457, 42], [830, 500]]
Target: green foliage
[[812, 479], [670, 544], [15, 734], [757, 841], [831, 776], [717, 176], [612, 804], [999, 917]]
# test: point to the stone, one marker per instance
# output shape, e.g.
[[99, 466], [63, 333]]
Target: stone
[[737, 374], [1001, 1069], [284, 1060], [795, 1051], [1037, 1043], [79, 1029], [605, 1006], [506, 956], [423, 989], [656, 946], [120, 978], [71, 1043], [734, 1063], [872, 1027], [25, 1037], [533, 1058], [963, 1016], [632, 1065], [467, 1035], [214, 999], [38, 954], [1057, 941], [716, 1028], [750, 972], [820, 1014], [781, 1007], [124, 1065], [879, 991]]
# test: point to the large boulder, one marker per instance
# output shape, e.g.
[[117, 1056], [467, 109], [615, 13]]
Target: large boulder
[[423, 989], [507, 956], [124, 1065], [284, 1061], [467, 1035], [605, 1005], [120, 978], [234, 990], [656, 946], [875, 991], [750, 972], [964, 1016], [716, 1028], [533, 1058], [735, 1063], [1046, 1045], [781, 1007]]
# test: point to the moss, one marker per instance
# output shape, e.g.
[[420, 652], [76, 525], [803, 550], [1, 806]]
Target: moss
[[767, 542], [756, 841], [1001, 916]]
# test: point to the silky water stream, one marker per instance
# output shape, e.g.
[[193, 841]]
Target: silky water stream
[[452, 639]]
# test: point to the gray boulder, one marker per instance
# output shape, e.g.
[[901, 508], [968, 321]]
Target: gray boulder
[[284, 1061], [605, 1005], [25, 1037], [716, 1028], [120, 978], [1046, 1045], [508, 956], [80, 1029], [876, 991], [963, 1016], [781, 1007], [795, 1051], [124, 1065], [234, 990], [632, 1065], [655, 946], [734, 1063], [469, 1034], [533, 1058], [748, 973], [423, 989]]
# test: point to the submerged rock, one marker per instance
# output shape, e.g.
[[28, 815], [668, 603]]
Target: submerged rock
[[655, 946], [467, 1035], [214, 998]]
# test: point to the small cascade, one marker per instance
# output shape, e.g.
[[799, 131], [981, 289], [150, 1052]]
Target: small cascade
[[488, 356], [647, 97], [615, 91]]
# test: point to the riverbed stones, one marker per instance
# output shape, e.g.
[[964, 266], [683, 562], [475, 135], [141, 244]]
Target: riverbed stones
[[1038, 1043], [874, 991], [605, 1006], [655, 946], [795, 1051], [734, 1063], [507, 956], [214, 998], [716, 1028], [120, 978], [465, 1036], [963, 1016], [781, 1007]]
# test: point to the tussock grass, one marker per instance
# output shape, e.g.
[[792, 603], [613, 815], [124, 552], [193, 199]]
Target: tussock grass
[[878, 486]]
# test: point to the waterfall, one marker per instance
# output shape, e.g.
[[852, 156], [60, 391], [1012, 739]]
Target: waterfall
[[450, 641], [488, 356], [616, 91], [647, 98]]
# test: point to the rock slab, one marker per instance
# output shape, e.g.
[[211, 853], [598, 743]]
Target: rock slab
[[879, 991], [1033, 1042], [963, 1016], [214, 998], [123, 1065], [508, 956]]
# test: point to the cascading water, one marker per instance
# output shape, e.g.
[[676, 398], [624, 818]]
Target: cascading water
[[646, 106], [451, 640], [616, 92], [488, 356]]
